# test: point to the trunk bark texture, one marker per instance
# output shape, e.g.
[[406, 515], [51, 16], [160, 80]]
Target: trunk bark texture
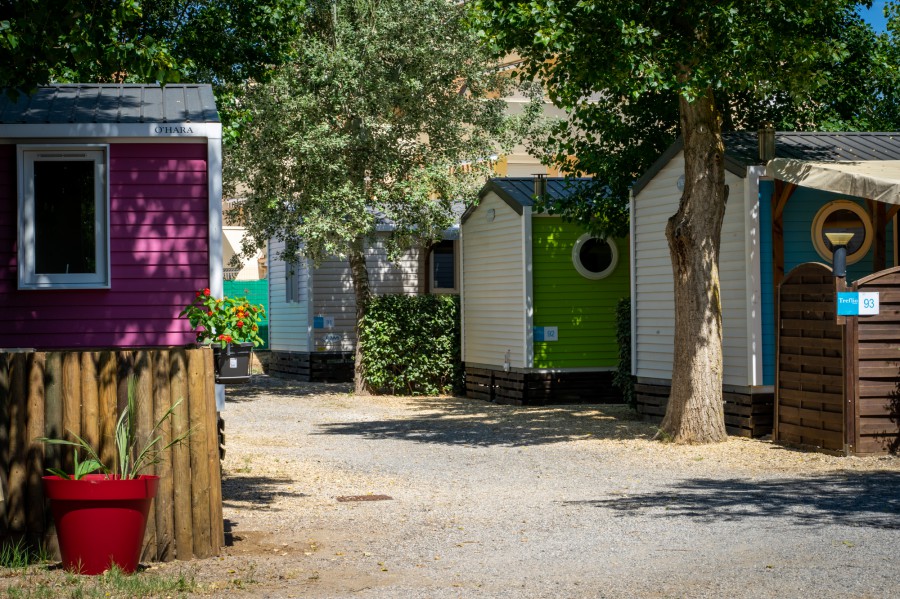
[[360, 277], [695, 411]]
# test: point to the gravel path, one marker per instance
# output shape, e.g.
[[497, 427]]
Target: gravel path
[[498, 501]]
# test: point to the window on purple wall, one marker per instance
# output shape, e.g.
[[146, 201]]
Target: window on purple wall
[[63, 228]]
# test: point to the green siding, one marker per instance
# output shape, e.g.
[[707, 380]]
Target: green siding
[[582, 309], [256, 292]]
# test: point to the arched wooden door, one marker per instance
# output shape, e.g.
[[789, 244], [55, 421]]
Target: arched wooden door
[[809, 384]]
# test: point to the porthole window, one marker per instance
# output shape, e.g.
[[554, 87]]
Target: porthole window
[[594, 257], [842, 216]]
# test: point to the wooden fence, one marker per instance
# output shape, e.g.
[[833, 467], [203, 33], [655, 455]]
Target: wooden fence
[[45, 394], [838, 385], [810, 361]]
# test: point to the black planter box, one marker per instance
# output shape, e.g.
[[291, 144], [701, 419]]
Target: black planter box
[[232, 362]]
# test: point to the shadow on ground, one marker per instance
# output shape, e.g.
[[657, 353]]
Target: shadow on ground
[[261, 386], [860, 499], [477, 423], [261, 491]]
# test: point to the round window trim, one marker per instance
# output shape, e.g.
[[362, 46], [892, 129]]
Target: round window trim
[[582, 270], [822, 216]]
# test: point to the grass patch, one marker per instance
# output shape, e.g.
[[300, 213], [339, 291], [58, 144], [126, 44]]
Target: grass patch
[[33, 584], [18, 554]]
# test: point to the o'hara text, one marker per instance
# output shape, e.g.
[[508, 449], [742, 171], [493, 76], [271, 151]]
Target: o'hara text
[[169, 130]]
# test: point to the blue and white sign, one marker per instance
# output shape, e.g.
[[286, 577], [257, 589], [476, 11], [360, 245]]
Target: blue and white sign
[[852, 303], [544, 334], [323, 322]]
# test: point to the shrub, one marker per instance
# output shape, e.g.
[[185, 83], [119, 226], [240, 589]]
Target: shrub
[[411, 344], [622, 377]]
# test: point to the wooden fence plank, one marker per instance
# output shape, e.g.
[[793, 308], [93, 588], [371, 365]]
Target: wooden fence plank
[[53, 429], [217, 533], [18, 402], [90, 398], [143, 393], [5, 398], [71, 400], [200, 501], [53, 412], [34, 454], [181, 457], [108, 404], [165, 518]]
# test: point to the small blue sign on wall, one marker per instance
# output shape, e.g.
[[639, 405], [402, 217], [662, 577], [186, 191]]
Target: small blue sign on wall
[[543, 334], [852, 303], [318, 322]]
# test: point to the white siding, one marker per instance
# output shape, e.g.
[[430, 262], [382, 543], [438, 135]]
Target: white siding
[[654, 309], [288, 321], [493, 285], [333, 292]]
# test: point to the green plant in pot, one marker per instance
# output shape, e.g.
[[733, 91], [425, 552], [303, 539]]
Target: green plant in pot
[[100, 510], [231, 326]]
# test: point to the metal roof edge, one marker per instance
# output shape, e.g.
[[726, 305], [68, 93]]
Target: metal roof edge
[[657, 166], [492, 186]]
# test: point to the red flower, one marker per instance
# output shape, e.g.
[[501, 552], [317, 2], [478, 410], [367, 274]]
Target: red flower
[[198, 294], [228, 338], [210, 313], [240, 323], [206, 291]]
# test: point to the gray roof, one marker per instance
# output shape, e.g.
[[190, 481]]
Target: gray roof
[[110, 103], [742, 150], [518, 192]]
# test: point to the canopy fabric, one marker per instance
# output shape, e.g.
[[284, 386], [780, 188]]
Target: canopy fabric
[[877, 180]]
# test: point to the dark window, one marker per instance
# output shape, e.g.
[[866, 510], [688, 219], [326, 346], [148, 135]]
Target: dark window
[[443, 265], [595, 255], [64, 217]]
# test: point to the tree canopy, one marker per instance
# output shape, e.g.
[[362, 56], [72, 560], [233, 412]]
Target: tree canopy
[[382, 118], [629, 70], [142, 41]]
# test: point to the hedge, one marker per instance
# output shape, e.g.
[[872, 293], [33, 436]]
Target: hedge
[[411, 344]]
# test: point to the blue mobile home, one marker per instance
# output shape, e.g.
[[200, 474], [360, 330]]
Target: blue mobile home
[[779, 207]]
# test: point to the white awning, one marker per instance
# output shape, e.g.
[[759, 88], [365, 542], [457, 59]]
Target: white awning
[[877, 180]]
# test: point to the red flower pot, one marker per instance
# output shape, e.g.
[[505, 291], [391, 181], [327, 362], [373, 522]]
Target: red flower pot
[[100, 521]]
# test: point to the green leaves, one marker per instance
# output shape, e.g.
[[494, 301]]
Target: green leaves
[[380, 116], [130, 458], [411, 344]]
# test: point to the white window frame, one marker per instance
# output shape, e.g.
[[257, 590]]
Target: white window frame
[[26, 156], [584, 272], [443, 290]]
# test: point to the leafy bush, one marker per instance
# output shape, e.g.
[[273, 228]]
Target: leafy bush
[[622, 377], [411, 344]]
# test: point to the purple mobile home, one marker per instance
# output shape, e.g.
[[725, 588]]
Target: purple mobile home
[[110, 214]]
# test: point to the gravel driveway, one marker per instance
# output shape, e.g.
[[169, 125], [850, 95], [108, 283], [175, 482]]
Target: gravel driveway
[[331, 495]]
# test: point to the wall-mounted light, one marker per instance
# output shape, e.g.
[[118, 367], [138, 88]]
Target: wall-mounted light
[[839, 242]]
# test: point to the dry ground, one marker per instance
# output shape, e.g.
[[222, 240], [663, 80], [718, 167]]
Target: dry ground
[[495, 501]]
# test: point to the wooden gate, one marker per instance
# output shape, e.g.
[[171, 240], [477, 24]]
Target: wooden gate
[[809, 385], [837, 386], [874, 424]]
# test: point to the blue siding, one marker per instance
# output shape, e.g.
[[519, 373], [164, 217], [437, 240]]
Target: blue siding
[[798, 248]]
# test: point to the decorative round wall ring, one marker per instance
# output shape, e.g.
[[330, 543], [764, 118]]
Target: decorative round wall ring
[[594, 257], [842, 216]]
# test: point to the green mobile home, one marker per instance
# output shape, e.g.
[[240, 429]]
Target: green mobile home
[[538, 298]]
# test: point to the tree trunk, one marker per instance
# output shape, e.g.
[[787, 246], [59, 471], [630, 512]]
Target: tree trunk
[[360, 276], [695, 412]]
